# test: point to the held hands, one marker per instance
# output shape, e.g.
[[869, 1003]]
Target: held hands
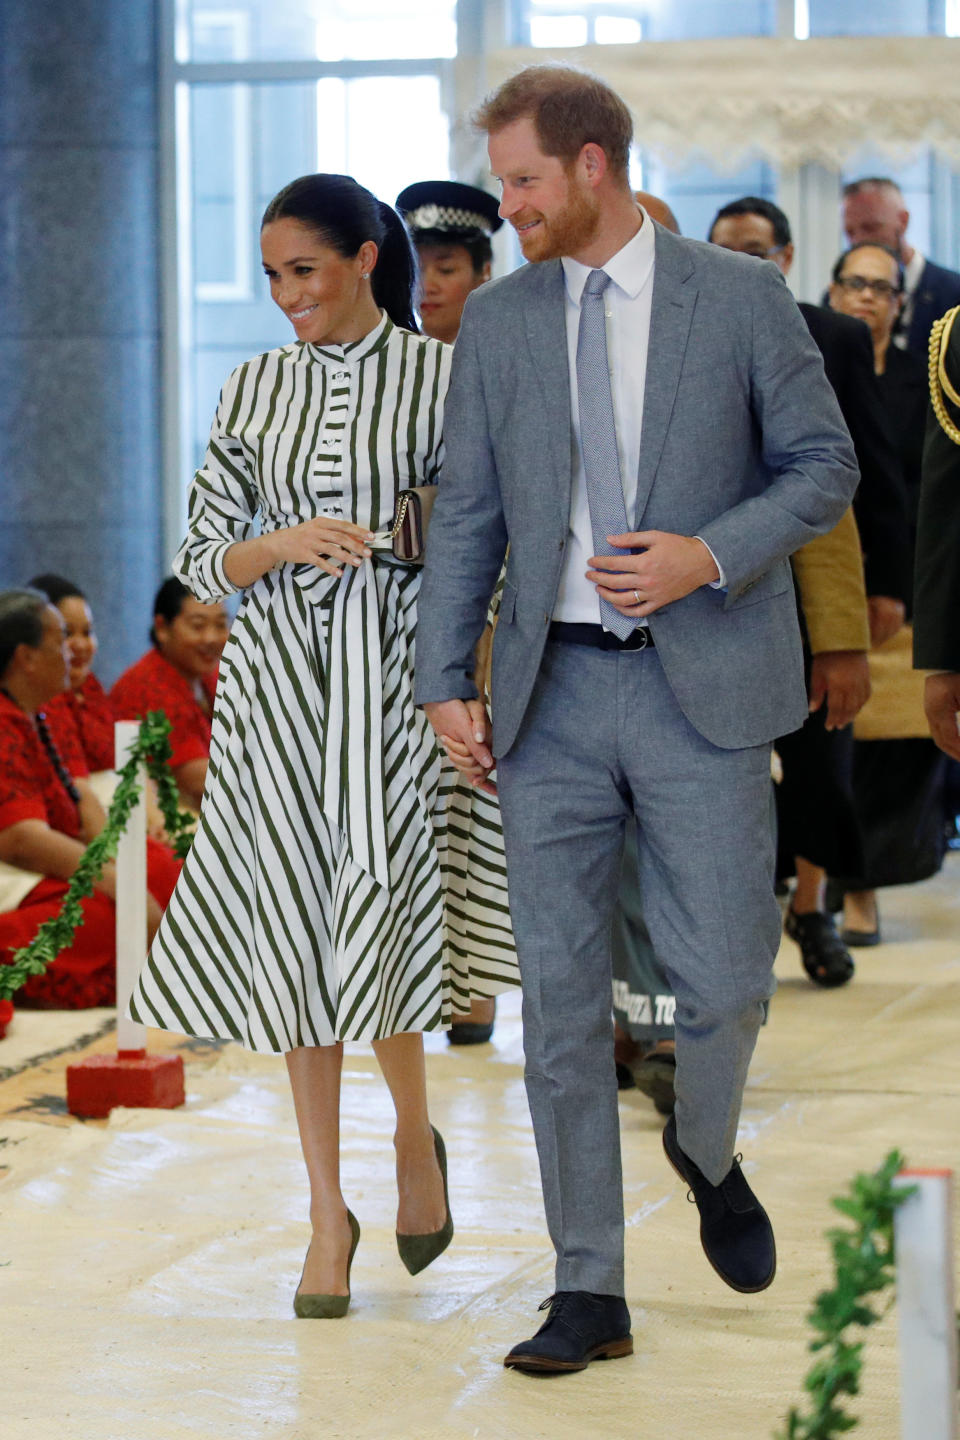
[[941, 701], [668, 568], [463, 729], [842, 679], [325, 542]]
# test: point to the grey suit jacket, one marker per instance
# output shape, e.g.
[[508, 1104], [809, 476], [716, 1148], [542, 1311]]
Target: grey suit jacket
[[742, 443]]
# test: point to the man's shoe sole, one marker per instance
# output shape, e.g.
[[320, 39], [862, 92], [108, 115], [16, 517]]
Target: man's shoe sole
[[542, 1364], [741, 1289]]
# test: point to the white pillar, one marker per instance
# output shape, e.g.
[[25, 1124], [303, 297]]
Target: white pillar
[[131, 897], [925, 1307]]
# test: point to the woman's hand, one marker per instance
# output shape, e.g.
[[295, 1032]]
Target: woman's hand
[[325, 542]]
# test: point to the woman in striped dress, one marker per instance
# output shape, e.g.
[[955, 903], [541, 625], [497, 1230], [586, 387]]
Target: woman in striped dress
[[313, 907]]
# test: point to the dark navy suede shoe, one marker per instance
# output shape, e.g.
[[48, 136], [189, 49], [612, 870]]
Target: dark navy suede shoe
[[580, 1327], [735, 1233]]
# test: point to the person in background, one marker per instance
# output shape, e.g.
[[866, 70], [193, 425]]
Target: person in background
[[450, 225], [84, 709], [178, 675], [899, 775], [874, 213], [49, 814], [936, 614], [817, 815]]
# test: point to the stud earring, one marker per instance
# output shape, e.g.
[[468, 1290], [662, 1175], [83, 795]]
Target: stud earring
[[365, 275]]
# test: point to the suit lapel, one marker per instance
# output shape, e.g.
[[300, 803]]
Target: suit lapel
[[671, 311], [546, 329]]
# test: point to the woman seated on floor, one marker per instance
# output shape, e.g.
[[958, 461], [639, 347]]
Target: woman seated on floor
[[48, 814], [178, 676], [82, 716]]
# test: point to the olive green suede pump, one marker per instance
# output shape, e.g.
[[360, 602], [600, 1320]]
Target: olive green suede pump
[[419, 1251], [329, 1307]]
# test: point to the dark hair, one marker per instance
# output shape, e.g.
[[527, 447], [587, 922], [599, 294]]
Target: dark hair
[[344, 215], [870, 182], [840, 261], [21, 622], [477, 246], [754, 205], [569, 109], [168, 601], [56, 588]]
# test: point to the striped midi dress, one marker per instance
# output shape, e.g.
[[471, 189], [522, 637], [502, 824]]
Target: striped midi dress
[[330, 892]]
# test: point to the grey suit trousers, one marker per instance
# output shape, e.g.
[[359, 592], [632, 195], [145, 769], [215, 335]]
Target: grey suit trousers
[[603, 736]]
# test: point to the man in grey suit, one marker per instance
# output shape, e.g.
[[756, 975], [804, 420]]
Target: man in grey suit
[[645, 421]]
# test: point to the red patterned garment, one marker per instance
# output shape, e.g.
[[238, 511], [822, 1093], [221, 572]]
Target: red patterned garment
[[153, 684], [91, 717], [30, 789]]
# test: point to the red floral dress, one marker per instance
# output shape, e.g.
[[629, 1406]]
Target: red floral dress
[[90, 717], [153, 684], [30, 789]]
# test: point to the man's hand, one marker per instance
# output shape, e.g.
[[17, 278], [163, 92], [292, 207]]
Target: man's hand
[[941, 701], [668, 567], [842, 679], [463, 729], [886, 615]]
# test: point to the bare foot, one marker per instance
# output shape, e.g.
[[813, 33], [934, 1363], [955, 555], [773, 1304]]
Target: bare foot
[[860, 911], [421, 1209], [325, 1268]]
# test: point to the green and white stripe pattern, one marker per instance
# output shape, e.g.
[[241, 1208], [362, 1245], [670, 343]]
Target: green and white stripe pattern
[[338, 887]]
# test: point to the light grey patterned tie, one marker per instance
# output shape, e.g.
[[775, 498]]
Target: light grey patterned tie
[[598, 436]]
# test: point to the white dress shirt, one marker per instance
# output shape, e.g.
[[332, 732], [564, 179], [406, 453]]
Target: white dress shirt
[[911, 282], [627, 303]]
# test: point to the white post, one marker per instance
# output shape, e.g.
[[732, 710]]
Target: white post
[[925, 1307], [131, 898]]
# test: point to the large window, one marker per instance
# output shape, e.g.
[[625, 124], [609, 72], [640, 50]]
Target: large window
[[327, 30], [246, 142], [260, 91], [263, 91]]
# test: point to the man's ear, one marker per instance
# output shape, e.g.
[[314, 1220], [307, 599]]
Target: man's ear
[[593, 162]]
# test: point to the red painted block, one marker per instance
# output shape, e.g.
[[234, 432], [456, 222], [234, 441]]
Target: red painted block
[[132, 1078]]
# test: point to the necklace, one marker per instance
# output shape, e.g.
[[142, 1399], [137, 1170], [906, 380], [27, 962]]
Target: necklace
[[49, 745]]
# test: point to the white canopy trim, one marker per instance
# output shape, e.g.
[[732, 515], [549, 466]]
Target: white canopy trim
[[788, 101]]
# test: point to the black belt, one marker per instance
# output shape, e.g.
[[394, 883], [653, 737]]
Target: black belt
[[600, 639]]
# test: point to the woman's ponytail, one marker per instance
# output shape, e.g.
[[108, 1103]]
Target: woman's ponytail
[[395, 273]]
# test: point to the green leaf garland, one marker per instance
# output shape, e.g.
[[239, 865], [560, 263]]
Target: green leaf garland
[[864, 1266], [151, 748]]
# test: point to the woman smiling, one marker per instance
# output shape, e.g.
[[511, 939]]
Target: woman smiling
[[313, 907]]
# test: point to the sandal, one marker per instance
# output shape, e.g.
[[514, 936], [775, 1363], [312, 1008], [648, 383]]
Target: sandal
[[825, 958]]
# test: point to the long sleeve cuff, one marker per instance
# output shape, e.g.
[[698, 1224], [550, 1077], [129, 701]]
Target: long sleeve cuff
[[720, 584]]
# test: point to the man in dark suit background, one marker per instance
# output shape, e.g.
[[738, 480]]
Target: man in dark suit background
[[936, 616], [815, 802], [874, 213]]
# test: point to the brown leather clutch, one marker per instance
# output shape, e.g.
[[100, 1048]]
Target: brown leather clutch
[[411, 519]]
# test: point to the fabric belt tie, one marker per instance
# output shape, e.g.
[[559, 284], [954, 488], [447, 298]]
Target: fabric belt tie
[[352, 780]]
